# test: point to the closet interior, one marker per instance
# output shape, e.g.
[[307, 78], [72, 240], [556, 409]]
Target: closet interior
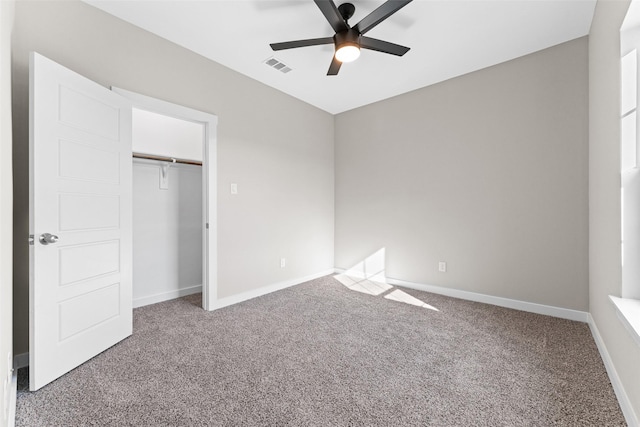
[[167, 207]]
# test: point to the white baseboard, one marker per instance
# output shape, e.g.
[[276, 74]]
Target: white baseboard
[[166, 296], [548, 310], [244, 296], [625, 404]]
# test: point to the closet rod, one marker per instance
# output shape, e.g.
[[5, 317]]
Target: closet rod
[[166, 159]]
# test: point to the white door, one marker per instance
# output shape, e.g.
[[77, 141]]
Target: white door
[[80, 218]]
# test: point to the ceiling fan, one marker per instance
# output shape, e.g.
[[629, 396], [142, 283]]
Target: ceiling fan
[[349, 40]]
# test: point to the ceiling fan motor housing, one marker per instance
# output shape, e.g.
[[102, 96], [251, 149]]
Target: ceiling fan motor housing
[[349, 37]]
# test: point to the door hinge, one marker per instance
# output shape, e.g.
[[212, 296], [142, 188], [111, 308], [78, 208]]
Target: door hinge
[[207, 226], [31, 239]]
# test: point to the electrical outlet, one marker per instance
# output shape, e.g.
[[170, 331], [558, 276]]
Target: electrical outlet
[[234, 188], [283, 262], [442, 267]]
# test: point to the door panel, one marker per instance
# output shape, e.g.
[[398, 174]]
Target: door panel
[[76, 317], [82, 162], [85, 262], [80, 191], [88, 113], [86, 212]]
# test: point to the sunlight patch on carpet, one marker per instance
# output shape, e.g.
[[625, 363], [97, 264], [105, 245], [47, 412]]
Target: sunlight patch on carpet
[[365, 286], [369, 277], [401, 296]]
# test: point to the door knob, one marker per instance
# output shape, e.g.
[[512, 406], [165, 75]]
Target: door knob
[[48, 238]]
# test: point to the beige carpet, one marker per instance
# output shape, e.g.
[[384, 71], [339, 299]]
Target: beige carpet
[[322, 354]]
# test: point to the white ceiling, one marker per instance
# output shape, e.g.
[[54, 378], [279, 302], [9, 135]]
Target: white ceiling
[[447, 39]]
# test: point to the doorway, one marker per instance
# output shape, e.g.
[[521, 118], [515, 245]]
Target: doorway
[[168, 226], [174, 177]]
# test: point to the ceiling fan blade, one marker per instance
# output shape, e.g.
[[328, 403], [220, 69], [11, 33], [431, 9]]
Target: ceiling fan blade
[[383, 46], [330, 11], [334, 67], [301, 43], [387, 9]]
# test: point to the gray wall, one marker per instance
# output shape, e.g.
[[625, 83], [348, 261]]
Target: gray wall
[[6, 206], [604, 193], [278, 149], [487, 171]]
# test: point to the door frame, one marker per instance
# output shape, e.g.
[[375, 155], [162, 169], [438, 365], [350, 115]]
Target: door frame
[[209, 182]]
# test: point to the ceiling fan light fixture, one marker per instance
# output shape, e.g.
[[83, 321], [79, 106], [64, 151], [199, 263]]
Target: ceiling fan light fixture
[[348, 40], [348, 52]]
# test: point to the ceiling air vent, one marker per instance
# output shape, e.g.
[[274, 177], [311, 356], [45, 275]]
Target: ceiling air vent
[[276, 64]]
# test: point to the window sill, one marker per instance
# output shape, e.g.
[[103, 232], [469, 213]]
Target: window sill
[[629, 313]]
